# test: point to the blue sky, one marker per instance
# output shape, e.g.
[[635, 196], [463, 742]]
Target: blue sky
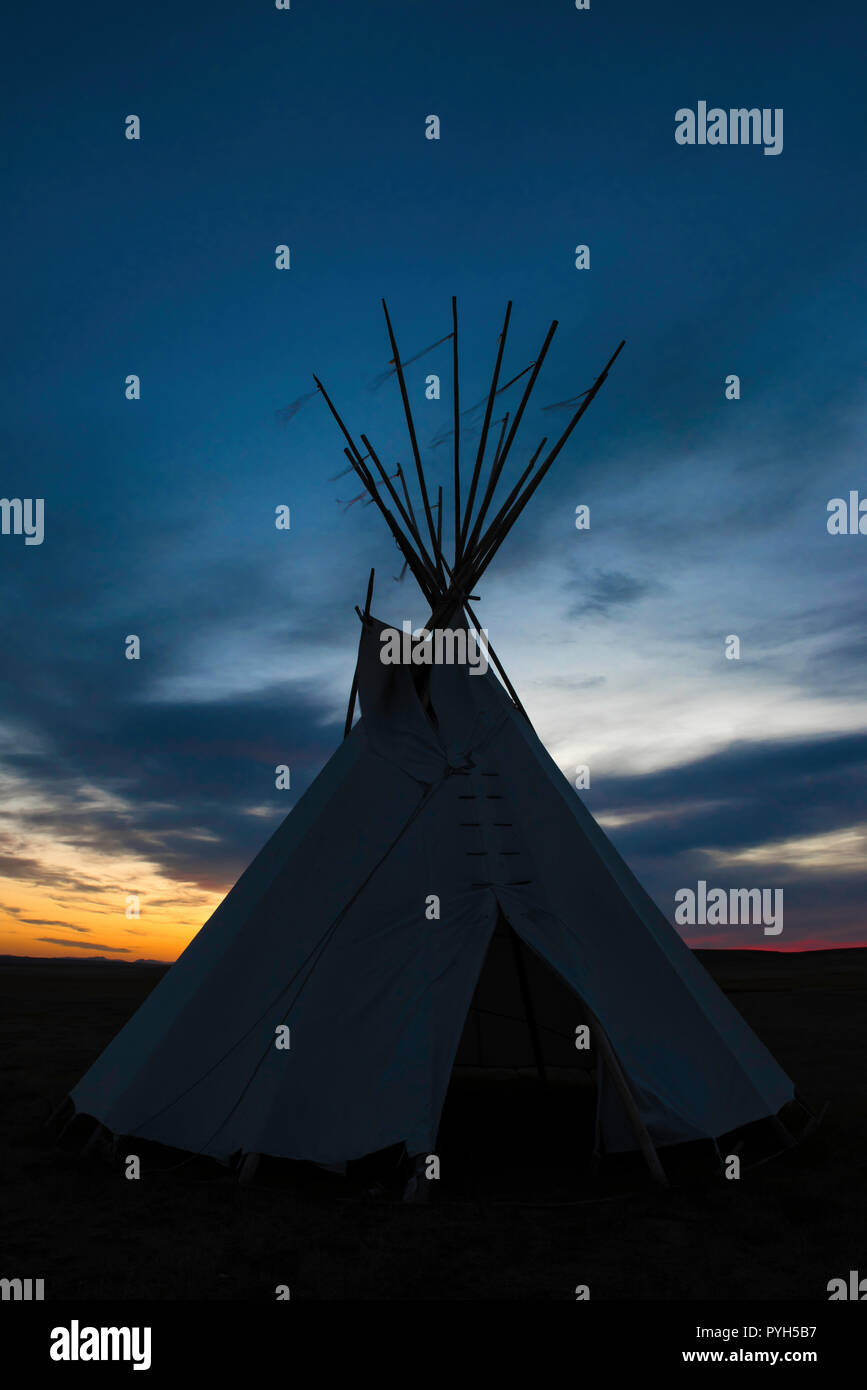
[[156, 257]]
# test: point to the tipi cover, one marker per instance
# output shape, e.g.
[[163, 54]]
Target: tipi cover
[[363, 926]]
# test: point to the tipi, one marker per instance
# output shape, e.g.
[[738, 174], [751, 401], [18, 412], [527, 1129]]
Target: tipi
[[318, 1013]]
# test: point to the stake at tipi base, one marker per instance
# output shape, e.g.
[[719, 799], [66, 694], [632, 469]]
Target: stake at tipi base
[[65, 1108], [248, 1169], [94, 1140], [418, 1188], [621, 1085]]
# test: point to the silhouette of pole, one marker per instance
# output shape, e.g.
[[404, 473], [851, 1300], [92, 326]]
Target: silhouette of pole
[[500, 462], [365, 617], [412, 436], [457, 428], [477, 467]]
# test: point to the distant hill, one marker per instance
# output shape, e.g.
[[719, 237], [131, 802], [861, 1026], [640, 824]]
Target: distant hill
[[751, 960], [724, 957], [77, 963]]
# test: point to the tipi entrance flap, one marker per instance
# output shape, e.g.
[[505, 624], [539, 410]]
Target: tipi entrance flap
[[498, 1034]]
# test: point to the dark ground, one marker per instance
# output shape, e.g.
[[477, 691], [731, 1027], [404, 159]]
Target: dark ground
[[509, 1222]]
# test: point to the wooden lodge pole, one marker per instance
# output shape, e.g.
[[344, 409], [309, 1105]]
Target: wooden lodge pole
[[480, 453], [412, 435]]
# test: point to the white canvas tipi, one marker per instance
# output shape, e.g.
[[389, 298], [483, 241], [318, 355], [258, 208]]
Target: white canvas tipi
[[364, 925]]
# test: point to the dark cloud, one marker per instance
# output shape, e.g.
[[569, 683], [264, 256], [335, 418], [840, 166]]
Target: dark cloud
[[84, 945], [568, 683], [32, 871], [185, 775], [119, 767], [606, 590], [746, 795], [749, 795], [49, 922]]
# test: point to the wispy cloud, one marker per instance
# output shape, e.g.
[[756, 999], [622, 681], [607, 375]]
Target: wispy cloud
[[84, 945]]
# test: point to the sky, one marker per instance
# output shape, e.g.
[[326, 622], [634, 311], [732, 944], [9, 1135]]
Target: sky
[[155, 778]]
